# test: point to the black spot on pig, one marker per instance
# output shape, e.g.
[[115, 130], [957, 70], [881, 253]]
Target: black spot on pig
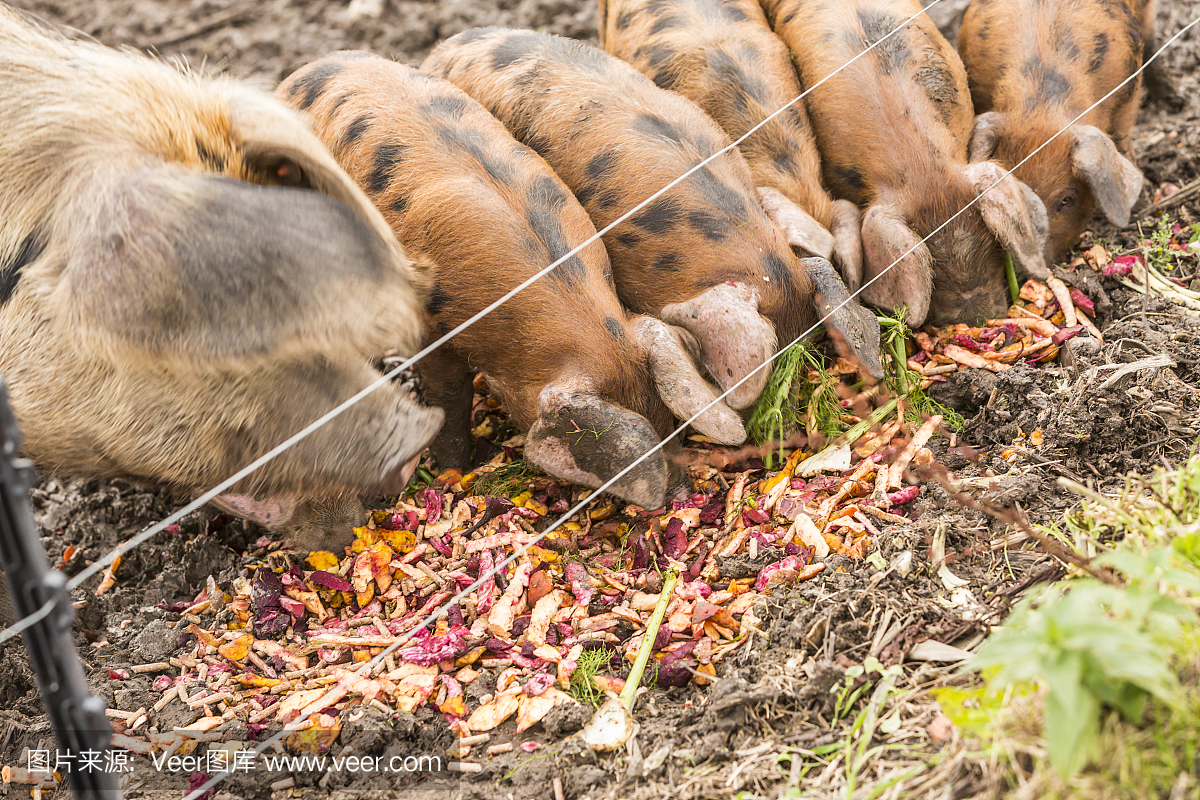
[[355, 130], [627, 239], [387, 157], [667, 262], [938, 84], [1050, 85], [615, 328], [660, 217], [666, 23], [474, 144], [604, 201], [603, 165], [779, 272], [730, 70], [732, 13], [784, 161], [545, 202], [10, 273], [400, 205], [654, 55], [624, 18], [208, 157], [474, 35], [716, 194], [448, 105], [851, 177], [513, 48], [312, 83], [893, 53], [708, 226], [438, 299], [654, 125], [338, 103], [1099, 52]]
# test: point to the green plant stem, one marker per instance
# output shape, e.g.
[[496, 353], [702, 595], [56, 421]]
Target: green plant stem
[[643, 656], [1010, 272], [901, 357]]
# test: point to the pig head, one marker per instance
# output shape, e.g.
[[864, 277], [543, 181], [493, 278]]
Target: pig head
[[189, 280]]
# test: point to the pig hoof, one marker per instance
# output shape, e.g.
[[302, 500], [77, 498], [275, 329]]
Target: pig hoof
[[844, 318]]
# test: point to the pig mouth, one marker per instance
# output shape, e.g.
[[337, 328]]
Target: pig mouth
[[969, 306]]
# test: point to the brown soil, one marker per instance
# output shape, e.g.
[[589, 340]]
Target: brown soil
[[775, 690]]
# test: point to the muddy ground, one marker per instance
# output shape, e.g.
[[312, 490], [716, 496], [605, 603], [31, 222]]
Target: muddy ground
[[696, 741]]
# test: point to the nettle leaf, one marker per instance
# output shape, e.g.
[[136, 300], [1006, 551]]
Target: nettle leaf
[[1072, 724]]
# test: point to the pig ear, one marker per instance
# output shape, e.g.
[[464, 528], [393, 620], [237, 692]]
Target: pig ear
[[885, 238], [1014, 213], [847, 242], [680, 385], [272, 512], [579, 437], [856, 327], [983, 138], [734, 338], [1114, 180], [798, 226]]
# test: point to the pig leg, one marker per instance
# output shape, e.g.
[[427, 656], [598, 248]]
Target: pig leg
[[853, 328], [446, 380]]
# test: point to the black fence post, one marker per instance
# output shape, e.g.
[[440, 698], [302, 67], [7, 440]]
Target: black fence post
[[83, 732]]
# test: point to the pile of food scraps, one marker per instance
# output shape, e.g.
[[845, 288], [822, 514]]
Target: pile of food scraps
[[1046, 314], [291, 637]]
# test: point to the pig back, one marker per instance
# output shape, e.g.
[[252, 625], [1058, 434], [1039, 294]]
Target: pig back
[[490, 213], [904, 103], [724, 57], [615, 139]]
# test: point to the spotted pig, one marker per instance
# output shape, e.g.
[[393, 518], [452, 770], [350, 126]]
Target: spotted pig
[[703, 255], [187, 279], [893, 127], [1036, 65], [594, 388], [722, 55]]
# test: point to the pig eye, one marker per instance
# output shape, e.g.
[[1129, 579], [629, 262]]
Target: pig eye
[[282, 171], [1066, 202]]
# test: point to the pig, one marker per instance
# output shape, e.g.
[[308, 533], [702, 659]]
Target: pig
[[722, 55], [893, 128], [1033, 67], [704, 255], [593, 388], [187, 278]]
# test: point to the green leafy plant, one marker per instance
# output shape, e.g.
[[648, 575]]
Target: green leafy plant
[[591, 662], [505, 480], [781, 408], [1105, 654], [894, 335]]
